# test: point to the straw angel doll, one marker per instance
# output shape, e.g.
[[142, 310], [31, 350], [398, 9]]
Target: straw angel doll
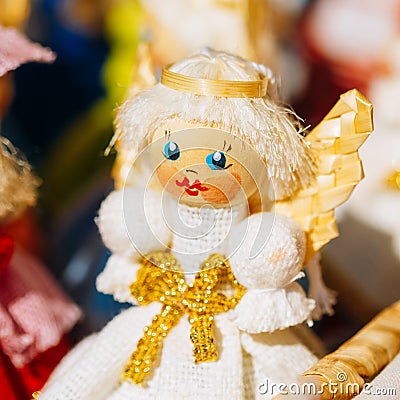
[[201, 242]]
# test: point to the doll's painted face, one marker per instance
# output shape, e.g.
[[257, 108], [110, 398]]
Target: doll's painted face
[[205, 166]]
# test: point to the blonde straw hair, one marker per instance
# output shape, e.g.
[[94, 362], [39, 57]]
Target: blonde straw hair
[[272, 130]]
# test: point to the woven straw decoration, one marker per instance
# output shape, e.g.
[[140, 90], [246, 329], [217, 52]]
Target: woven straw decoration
[[359, 359], [335, 142]]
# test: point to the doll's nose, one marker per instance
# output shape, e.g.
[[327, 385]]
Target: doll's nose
[[192, 170]]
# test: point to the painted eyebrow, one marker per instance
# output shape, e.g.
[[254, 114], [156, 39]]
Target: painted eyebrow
[[229, 147], [167, 134]]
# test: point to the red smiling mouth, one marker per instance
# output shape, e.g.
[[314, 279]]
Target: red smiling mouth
[[194, 188]]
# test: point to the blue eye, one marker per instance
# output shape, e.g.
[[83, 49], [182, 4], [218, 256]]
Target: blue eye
[[171, 151], [216, 160]]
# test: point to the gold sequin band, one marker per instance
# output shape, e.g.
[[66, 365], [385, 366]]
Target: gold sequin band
[[213, 87], [161, 279]]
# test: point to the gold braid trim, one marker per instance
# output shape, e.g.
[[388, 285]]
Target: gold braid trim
[[161, 279]]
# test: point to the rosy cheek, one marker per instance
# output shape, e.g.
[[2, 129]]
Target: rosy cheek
[[214, 195], [167, 175], [223, 189]]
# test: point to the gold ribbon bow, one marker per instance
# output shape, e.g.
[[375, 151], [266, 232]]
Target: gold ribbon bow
[[161, 279]]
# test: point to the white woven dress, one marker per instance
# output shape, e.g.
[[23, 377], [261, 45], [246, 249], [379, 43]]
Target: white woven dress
[[256, 342]]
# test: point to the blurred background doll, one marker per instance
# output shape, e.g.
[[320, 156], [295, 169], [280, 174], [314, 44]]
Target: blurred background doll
[[49, 93], [34, 313]]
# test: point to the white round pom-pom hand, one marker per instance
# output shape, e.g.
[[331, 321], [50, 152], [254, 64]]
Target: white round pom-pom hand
[[130, 222], [267, 254], [270, 251]]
